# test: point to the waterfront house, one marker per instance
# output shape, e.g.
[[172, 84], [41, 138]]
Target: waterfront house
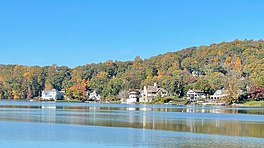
[[93, 96], [51, 95], [219, 94], [197, 73], [194, 95], [149, 93], [134, 96]]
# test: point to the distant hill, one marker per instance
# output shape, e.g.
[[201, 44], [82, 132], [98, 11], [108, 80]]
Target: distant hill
[[230, 65]]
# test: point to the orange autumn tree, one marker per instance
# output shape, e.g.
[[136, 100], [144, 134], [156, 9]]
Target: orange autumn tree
[[76, 92]]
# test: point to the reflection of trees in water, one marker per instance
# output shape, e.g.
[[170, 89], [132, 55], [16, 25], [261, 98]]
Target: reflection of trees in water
[[151, 120], [171, 119], [222, 127]]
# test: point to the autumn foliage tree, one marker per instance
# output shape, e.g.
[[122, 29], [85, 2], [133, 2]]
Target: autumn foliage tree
[[229, 65], [76, 92], [257, 93]]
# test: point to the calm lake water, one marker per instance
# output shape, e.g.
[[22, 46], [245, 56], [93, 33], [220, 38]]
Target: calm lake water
[[50, 124]]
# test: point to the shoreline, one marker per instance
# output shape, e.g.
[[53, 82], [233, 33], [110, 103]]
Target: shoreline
[[258, 104]]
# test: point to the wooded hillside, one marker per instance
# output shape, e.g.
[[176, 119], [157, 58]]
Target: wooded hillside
[[230, 65]]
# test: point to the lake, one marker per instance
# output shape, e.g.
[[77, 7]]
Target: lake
[[55, 124]]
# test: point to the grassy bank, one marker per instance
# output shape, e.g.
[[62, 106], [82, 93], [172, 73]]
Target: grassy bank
[[72, 101], [254, 103]]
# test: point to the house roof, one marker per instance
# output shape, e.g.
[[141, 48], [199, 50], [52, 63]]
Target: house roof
[[220, 92], [152, 89], [162, 90], [134, 90], [48, 91], [196, 91]]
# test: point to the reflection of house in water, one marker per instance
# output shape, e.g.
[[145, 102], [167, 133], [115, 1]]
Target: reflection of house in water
[[149, 93], [214, 109], [132, 117], [140, 117], [48, 113], [190, 122], [192, 110]]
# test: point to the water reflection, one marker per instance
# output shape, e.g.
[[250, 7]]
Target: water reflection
[[196, 119], [158, 108], [62, 135], [48, 112]]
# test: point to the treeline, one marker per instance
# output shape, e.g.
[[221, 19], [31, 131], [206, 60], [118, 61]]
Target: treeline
[[235, 65]]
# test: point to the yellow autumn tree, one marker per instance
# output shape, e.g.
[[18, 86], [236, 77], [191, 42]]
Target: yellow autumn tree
[[238, 65]]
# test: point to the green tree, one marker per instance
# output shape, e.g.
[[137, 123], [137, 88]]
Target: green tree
[[113, 87]]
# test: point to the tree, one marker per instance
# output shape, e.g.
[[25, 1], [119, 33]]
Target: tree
[[113, 87], [137, 62], [48, 85], [257, 93], [123, 94], [99, 82], [203, 84], [233, 86], [76, 92]]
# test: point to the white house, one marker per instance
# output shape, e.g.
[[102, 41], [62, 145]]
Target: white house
[[51, 95], [134, 96], [221, 93], [149, 93], [194, 95], [94, 96], [197, 73]]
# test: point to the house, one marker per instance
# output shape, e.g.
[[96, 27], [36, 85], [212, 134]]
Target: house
[[162, 92], [134, 96], [63, 91], [51, 95], [194, 95], [93, 96], [196, 73], [151, 92], [219, 94]]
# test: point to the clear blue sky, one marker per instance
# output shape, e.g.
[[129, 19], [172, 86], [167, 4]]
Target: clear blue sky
[[78, 32]]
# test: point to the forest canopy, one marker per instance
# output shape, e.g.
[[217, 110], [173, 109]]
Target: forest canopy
[[230, 65]]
